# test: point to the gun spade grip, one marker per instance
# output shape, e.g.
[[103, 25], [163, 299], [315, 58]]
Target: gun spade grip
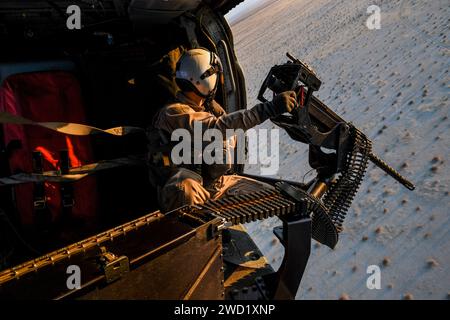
[[391, 171]]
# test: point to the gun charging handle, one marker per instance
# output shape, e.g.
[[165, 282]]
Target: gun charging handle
[[307, 76]]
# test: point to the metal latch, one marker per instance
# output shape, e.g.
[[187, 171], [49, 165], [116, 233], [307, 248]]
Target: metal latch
[[114, 267], [215, 229], [224, 225]]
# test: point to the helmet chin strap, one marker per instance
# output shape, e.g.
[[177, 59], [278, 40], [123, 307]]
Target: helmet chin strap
[[215, 69], [210, 97]]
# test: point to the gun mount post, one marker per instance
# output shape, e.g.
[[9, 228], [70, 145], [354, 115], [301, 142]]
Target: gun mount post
[[295, 235]]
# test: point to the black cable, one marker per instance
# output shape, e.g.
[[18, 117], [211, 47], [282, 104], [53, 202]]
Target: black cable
[[57, 9]]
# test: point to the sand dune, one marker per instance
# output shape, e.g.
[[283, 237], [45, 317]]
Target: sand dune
[[392, 83]]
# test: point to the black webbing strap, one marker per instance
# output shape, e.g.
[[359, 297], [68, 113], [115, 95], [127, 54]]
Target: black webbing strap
[[39, 201], [66, 188], [42, 214], [68, 127]]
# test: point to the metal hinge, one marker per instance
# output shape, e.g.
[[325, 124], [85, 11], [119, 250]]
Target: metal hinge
[[113, 266]]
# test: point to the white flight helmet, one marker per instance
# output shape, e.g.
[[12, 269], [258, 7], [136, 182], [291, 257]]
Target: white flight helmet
[[198, 70]]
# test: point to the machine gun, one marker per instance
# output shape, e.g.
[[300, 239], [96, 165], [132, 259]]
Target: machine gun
[[312, 122], [340, 173]]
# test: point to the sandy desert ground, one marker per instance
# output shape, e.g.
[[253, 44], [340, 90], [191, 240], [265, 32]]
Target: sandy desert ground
[[393, 83]]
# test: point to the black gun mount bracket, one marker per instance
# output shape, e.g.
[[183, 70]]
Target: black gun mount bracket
[[292, 76], [289, 76]]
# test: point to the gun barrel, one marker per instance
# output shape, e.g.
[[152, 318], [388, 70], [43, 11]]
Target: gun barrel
[[391, 171], [290, 56]]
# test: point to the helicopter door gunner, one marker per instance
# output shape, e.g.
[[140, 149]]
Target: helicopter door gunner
[[197, 75]]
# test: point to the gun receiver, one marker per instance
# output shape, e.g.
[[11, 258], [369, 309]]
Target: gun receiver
[[313, 122]]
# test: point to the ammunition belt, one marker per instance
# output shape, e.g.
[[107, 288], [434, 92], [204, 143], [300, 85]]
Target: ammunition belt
[[341, 193], [247, 207], [327, 215], [323, 229], [265, 204]]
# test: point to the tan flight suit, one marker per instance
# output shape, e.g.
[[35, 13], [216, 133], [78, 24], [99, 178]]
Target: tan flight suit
[[187, 187]]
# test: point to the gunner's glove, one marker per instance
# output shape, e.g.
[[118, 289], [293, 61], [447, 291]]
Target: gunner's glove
[[281, 103], [284, 102]]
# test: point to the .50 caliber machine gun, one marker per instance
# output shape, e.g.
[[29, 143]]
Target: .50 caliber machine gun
[[313, 122], [340, 173]]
